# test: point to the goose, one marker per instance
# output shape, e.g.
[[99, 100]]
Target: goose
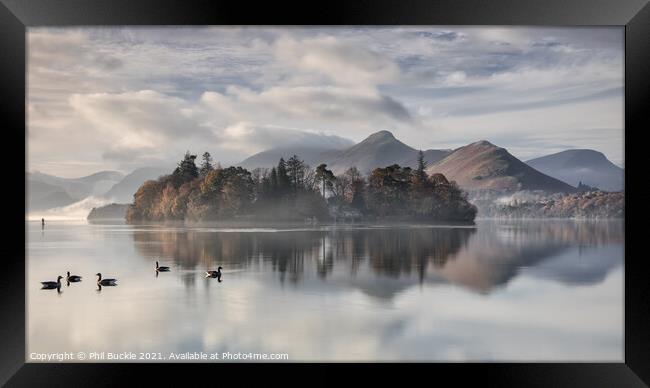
[[105, 282], [73, 278], [162, 269], [213, 274], [51, 284]]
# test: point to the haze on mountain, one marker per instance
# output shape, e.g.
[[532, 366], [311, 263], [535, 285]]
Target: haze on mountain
[[477, 166], [380, 149], [47, 191], [122, 191], [590, 167]]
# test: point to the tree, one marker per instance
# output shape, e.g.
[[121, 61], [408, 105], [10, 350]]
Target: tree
[[296, 172], [206, 164], [420, 178], [283, 177], [273, 178], [186, 170], [356, 192], [389, 189], [325, 177], [144, 201]]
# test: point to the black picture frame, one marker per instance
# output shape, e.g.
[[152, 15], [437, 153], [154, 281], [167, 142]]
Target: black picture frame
[[17, 15]]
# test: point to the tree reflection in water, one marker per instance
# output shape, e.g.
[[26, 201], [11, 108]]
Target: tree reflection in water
[[479, 258]]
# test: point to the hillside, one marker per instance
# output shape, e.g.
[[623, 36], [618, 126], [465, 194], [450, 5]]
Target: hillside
[[94, 184], [380, 149], [484, 166], [123, 190], [41, 196], [313, 156], [581, 165]]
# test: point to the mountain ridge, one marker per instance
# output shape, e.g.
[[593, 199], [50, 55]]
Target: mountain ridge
[[484, 166], [588, 166]]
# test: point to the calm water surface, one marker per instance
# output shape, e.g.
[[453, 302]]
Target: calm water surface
[[503, 291]]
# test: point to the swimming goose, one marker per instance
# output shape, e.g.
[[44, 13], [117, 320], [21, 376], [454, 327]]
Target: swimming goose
[[51, 284], [105, 282], [213, 274], [163, 269], [73, 278]]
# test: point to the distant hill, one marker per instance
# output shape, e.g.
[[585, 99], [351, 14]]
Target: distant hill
[[581, 165], [42, 196], [94, 184], [484, 166], [123, 190], [380, 149], [46, 191], [269, 158]]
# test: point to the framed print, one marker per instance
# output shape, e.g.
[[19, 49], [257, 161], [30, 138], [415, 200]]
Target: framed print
[[435, 185]]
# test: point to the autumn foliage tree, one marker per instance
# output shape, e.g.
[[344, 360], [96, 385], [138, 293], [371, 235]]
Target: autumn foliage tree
[[294, 191]]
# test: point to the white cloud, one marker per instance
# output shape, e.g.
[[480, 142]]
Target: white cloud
[[341, 62], [131, 96]]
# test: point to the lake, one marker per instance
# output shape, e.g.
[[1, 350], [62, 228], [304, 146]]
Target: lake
[[542, 290]]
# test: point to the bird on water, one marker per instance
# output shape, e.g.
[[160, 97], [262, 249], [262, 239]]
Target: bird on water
[[213, 274], [105, 282], [73, 278], [161, 269], [51, 284]]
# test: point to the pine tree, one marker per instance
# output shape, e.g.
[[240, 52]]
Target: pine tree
[[186, 170], [296, 172], [274, 181], [206, 165], [325, 176], [422, 166], [283, 178]]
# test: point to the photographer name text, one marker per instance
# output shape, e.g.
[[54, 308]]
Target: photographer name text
[[149, 356]]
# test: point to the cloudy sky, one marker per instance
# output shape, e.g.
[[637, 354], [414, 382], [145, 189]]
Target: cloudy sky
[[122, 98]]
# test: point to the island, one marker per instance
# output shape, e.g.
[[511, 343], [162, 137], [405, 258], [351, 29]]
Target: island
[[113, 211], [293, 191]]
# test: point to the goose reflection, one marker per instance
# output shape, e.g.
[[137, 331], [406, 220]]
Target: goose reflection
[[480, 259]]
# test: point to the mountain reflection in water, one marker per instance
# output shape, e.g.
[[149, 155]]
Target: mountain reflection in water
[[480, 259], [499, 291]]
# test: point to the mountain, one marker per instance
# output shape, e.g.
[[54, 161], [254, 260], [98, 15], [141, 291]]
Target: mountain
[[94, 184], [313, 156], [380, 149], [41, 196], [48, 191], [123, 190], [484, 166], [582, 165]]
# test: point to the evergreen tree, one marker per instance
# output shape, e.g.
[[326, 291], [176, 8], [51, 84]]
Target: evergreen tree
[[325, 176], [420, 173], [186, 170], [296, 172], [206, 164], [273, 181], [283, 178]]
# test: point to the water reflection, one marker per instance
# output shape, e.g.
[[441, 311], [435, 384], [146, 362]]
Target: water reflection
[[481, 259], [501, 291]]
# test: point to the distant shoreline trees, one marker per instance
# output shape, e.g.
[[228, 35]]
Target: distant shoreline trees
[[293, 191]]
